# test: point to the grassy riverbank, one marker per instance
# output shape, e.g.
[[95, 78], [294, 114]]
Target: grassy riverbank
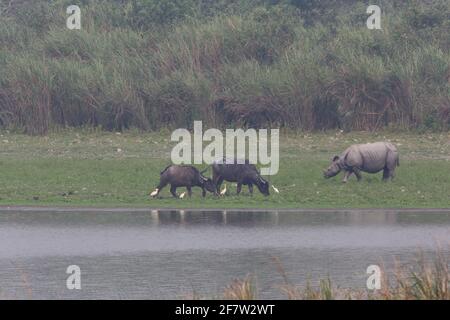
[[95, 168]]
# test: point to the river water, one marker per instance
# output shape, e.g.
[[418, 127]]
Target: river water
[[178, 254]]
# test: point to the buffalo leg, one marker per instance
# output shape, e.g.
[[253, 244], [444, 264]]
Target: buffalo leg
[[173, 191], [250, 188], [239, 188], [203, 192], [160, 186], [218, 183]]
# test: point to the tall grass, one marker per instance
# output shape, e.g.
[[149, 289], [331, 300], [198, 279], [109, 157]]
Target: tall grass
[[423, 280], [241, 289], [249, 63]]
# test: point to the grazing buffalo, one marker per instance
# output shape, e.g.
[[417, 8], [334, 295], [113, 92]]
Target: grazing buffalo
[[370, 157], [243, 174], [183, 176]]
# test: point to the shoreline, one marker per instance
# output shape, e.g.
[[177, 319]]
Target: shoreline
[[60, 209]]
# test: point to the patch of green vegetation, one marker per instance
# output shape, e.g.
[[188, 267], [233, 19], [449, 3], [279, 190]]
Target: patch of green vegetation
[[93, 168], [151, 64]]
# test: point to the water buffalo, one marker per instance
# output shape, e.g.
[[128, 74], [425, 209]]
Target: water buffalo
[[370, 157], [183, 176], [243, 174]]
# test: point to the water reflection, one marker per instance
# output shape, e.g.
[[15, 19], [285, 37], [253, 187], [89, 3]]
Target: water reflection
[[280, 218], [169, 253]]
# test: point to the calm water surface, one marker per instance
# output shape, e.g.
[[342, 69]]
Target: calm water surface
[[172, 254]]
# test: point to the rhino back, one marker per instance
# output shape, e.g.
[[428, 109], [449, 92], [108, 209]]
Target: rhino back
[[374, 156]]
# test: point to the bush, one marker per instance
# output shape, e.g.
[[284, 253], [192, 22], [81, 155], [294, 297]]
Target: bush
[[305, 65]]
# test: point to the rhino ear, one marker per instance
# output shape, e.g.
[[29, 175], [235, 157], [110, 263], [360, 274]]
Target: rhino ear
[[336, 158]]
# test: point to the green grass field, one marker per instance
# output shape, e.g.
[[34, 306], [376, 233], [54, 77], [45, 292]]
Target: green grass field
[[100, 169]]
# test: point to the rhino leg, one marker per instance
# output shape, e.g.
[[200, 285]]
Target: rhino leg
[[173, 191], [391, 163], [388, 174], [347, 175], [357, 173], [392, 173], [189, 190]]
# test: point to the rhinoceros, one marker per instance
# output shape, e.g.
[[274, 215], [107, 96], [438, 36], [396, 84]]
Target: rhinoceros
[[370, 157]]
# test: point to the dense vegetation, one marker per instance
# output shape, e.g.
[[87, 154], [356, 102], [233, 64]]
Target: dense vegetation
[[301, 64]]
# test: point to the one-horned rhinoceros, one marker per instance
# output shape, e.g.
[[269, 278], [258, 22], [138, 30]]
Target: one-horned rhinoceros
[[370, 157]]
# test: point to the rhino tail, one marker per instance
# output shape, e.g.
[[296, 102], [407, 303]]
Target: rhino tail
[[398, 161]]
